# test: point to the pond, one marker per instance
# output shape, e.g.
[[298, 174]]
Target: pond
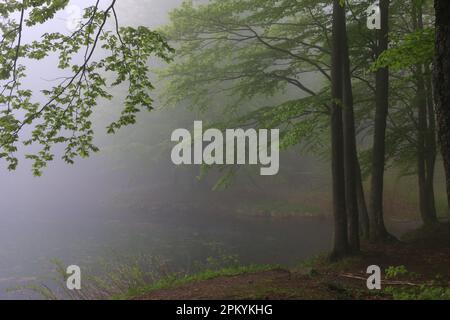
[[184, 239]]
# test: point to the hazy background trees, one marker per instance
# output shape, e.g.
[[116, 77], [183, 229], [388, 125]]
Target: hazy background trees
[[248, 50]]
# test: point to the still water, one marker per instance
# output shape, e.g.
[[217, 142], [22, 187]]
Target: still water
[[181, 236]]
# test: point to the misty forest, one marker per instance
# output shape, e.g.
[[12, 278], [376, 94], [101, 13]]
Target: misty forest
[[93, 93]]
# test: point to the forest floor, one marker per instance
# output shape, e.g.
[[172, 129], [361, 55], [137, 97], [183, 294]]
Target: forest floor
[[417, 267]]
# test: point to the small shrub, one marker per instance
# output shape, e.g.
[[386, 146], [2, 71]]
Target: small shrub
[[394, 272], [419, 293]]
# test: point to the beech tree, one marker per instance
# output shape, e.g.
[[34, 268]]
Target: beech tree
[[340, 244], [244, 52], [409, 59], [237, 51], [62, 116], [376, 217], [442, 82]]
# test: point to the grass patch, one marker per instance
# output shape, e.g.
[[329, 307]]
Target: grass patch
[[322, 262], [178, 280], [175, 280], [419, 293], [130, 277], [436, 289]]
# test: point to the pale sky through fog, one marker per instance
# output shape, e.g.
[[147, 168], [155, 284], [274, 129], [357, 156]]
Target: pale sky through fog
[[151, 13], [54, 216], [20, 190]]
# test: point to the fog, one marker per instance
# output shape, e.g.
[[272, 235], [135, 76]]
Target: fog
[[130, 199]]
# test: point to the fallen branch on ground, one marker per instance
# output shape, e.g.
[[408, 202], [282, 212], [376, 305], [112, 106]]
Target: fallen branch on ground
[[398, 283]]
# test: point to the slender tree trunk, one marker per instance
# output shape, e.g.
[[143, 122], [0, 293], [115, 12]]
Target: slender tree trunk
[[350, 154], [420, 103], [362, 207], [340, 244], [377, 228], [442, 82], [431, 150], [425, 163]]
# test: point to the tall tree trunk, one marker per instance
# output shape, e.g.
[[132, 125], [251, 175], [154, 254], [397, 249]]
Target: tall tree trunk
[[350, 154], [425, 161], [362, 206], [420, 103], [340, 244], [431, 149], [442, 82], [376, 220]]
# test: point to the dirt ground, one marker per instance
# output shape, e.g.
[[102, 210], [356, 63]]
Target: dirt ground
[[424, 253]]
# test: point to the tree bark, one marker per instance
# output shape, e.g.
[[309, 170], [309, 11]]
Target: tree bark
[[376, 220], [420, 103], [442, 82], [340, 243], [362, 206], [350, 154], [431, 150], [425, 139]]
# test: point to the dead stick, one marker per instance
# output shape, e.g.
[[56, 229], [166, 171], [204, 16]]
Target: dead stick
[[351, 276]]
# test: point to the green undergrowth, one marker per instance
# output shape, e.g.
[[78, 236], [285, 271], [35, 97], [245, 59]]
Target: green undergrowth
[[178, 280]]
